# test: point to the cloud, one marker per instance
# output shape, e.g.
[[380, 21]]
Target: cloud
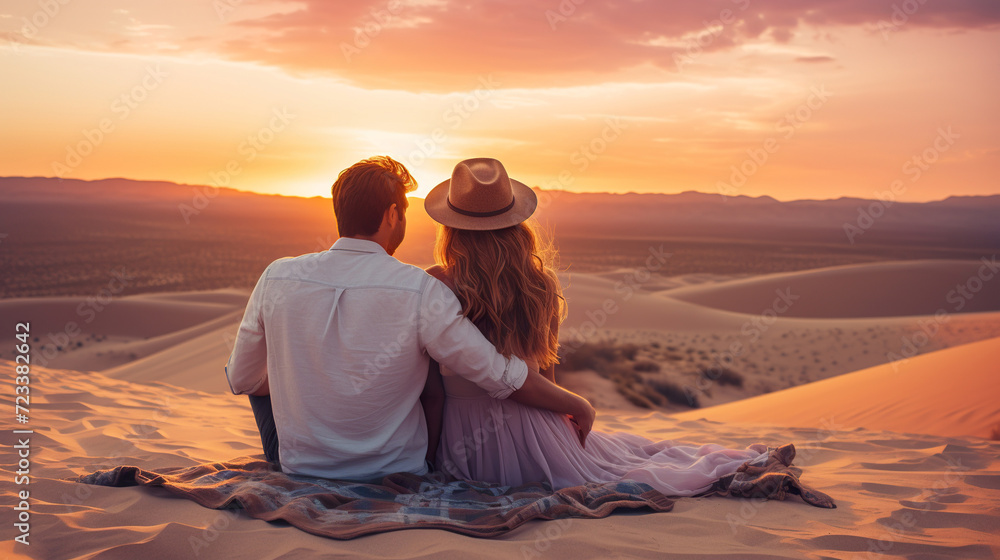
[[447, 44], [814, 59]]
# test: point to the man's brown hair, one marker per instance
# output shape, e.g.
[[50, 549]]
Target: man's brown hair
[[365, 190]]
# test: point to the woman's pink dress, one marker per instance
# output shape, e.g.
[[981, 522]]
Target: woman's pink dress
[[505, 442]]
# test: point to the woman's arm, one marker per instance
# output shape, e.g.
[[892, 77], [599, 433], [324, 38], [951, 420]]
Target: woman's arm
[[432, 399], [549, 373], [542, 393]]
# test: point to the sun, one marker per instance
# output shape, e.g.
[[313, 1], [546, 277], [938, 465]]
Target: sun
[[424, 155]]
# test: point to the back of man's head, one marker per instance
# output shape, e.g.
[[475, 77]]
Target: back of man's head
[[365, 190]]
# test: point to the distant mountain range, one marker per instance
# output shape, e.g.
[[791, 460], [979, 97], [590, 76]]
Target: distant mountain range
[[968, 221], [965, 221], [62, 236]]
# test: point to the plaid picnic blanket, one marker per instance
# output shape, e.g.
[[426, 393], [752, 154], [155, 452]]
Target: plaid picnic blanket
[[345, 510], [770, 477]]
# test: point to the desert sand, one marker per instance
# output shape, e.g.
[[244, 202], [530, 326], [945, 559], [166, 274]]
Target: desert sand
[[963, 382], [836, 320], [903, 447]]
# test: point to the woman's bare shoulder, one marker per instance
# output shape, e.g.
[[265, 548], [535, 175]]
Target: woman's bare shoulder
[[436, 271], [439, 272]]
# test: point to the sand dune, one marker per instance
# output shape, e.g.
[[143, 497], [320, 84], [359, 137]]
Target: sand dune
[[904, 496], [139, 380], [145, 337], [92, 334], [617, 302], [144, 315], [954, 392], [195, 363], [688, 329], [893, 289], [902, 452]]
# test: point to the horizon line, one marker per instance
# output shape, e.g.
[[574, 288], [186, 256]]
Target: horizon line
[[536, 188]]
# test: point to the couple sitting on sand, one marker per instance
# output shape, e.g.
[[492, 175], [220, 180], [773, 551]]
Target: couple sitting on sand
[[358, 365]]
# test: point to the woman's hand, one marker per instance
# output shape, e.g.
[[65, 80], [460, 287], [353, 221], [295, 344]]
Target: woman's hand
[[539, 392], [583, 420]]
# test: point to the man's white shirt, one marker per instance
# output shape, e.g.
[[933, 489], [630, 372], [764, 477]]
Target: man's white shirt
[[343, 338]]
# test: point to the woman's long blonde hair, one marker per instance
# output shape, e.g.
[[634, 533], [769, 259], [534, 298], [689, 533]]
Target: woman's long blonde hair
[[505, 280]]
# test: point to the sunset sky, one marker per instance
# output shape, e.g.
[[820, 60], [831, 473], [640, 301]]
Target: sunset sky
[[784, 98]]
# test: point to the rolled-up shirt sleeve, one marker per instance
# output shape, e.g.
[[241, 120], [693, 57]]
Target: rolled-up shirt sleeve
[[247, 366], [455, 342]]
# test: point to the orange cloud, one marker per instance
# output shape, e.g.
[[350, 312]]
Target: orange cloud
[[446, 45]]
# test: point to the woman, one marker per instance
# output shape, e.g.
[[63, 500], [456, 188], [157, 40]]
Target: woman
[[493, 260]]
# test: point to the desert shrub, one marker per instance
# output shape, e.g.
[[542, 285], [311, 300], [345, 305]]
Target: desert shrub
[[722, 376], [654, 396], [675, 393], [628, 351], [595, 356], [624, 373], [598, 356], [615, 362], [635, 398], [638, 395], [578, 358], [730, 377], [606, 351], [646, 366]]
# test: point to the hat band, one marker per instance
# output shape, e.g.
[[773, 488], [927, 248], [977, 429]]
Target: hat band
[[472, 214]]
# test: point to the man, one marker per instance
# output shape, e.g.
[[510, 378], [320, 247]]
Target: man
[[334, 346]]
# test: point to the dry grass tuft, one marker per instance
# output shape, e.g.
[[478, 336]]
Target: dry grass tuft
[[617, 362]]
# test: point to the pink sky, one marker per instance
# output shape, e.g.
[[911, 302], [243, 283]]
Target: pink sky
[[784, 98]]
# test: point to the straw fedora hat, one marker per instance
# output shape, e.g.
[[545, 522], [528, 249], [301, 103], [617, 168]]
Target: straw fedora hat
[[480, 196]]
